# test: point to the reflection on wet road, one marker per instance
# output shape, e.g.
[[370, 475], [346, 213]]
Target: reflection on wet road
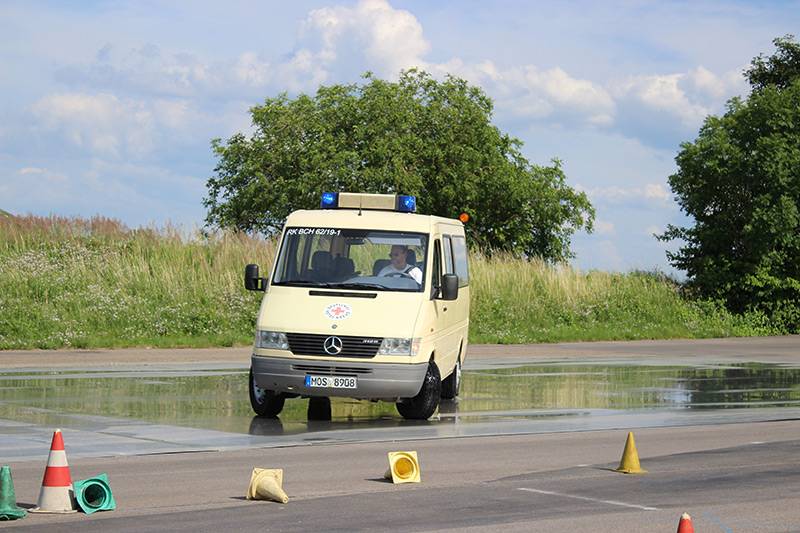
[[158, 409]]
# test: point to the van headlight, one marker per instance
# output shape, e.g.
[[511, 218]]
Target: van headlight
[[391, 346], [272, 339]]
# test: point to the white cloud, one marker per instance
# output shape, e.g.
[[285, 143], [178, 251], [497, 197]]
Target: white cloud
[[581, 95], [652, 230], [395, 37], [661, 93], [526, 93], [174, 114], [40, 176], [186, 72], [100, 124], [31, 170], [301, 73], [347, 41], [250, 69], [655, 192], [665, 108], [372, 33], [107, 126], [51, 187], [555, 91], [703, 85], [604, 227]]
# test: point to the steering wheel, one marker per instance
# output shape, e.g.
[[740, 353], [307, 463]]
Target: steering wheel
[[399, 275]]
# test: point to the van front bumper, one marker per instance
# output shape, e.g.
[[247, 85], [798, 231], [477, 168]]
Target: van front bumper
[[375, 381]]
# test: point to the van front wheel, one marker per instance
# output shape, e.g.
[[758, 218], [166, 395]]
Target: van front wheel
[[266, 403], [423, 405]]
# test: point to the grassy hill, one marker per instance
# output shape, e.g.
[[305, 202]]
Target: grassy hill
[[93, 283]]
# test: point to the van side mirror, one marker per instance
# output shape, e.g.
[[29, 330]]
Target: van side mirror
[[251, 280], [449, 287]]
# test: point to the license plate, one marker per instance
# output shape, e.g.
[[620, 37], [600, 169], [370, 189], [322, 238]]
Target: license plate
[[331, 382]]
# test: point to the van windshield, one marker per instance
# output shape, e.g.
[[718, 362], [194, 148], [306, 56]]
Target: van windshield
[[352, 258]]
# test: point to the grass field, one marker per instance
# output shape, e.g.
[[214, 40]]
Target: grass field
[[92, 283]]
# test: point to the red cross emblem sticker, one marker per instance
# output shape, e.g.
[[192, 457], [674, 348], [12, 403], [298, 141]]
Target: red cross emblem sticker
[[338, 311]]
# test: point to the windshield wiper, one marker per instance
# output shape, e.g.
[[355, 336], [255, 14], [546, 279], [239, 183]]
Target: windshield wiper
[[370, 286], [304, 283], [334, 285]]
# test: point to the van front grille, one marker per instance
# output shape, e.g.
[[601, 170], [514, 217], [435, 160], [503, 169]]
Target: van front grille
[[314, 344]]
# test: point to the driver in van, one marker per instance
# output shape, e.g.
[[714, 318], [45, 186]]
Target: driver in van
[[399, 255]]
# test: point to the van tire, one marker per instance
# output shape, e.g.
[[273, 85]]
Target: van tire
[[452, 383], [424, 404], [265, 403]]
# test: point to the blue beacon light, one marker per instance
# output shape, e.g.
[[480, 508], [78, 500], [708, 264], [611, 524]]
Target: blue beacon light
[[330, 200], [406, 203]]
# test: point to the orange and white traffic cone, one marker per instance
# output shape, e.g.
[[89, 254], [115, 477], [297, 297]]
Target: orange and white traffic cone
[[685, 525], [57, 494]]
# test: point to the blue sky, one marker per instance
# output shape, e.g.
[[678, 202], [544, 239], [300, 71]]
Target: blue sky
[[108, 107]]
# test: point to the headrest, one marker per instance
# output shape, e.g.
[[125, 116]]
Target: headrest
[[321, 260]]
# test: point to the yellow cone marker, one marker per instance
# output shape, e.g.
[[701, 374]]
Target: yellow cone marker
[[630, 459], [266, 484], [403, 467]]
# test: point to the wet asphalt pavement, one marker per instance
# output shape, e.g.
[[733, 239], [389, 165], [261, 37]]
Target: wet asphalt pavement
[[530, 445], [132, 402]]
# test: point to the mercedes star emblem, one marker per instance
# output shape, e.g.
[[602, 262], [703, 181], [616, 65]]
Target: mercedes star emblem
[[333, 345]]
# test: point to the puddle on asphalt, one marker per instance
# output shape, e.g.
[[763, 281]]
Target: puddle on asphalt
[[218, 399]]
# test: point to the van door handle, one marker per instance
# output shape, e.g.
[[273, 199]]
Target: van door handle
[[445, 309]]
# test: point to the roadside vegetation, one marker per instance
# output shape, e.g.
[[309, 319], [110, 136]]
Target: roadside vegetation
[[85, 283], [517, 300], [739, 184], [94, 283]]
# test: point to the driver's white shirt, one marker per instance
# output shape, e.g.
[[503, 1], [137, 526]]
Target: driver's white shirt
[[415, 272]]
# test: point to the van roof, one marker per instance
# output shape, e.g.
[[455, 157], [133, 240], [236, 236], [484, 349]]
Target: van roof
[[353, 218]]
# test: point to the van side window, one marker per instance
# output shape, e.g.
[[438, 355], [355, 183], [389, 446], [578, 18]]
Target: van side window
[[448, 255], [460, 256], [436, 274]]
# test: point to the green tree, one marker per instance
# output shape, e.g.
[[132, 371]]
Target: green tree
[[415, 136], [779, 70], [740, 182]]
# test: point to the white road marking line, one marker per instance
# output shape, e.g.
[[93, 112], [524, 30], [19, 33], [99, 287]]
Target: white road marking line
[[609, 502]]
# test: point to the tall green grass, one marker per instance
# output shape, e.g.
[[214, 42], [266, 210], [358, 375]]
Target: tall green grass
[[72, 282], [517, 300], [89, 283]]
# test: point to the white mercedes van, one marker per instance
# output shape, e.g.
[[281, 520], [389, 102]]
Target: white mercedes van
[[366, 300]]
